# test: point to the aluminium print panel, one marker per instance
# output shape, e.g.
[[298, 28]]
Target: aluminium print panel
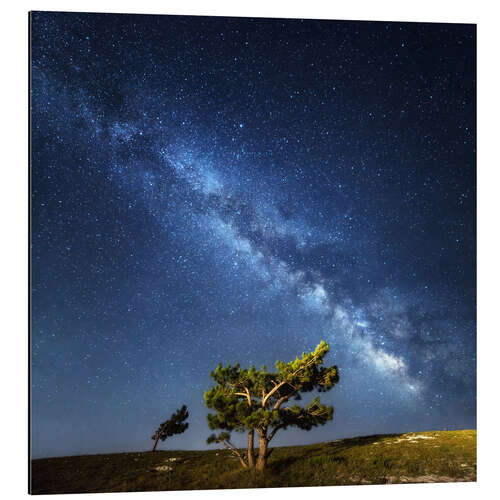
[[253, 249]]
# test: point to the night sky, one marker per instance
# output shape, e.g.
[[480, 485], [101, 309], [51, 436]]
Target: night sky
[[211, 190]]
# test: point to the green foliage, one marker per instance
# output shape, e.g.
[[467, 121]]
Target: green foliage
[[174, 425], [251, 398], [220, 438]]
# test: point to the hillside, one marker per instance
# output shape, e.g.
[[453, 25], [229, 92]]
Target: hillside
[[434, 456]]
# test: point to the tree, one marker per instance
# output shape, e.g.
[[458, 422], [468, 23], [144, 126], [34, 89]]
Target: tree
[[174, 425], [257, 400]]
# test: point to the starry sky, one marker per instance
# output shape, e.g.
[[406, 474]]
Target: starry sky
[[211, 190]]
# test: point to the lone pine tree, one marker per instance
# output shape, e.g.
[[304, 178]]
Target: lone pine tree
[[257, 400], [174, 425]]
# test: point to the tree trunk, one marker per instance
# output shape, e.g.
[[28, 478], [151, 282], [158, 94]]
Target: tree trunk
[[263, 453], [242, 462], [156, 442], [251, 453]]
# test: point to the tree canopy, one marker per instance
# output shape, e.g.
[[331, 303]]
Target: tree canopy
[[174, 425], [250, 399]]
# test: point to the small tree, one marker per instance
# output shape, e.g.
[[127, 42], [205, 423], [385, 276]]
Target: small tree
[[174, 425], [251, 399]]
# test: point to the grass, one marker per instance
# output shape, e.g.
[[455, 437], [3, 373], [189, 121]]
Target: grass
[[434, 456]]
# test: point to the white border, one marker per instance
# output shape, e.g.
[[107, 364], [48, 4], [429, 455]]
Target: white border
[[14, 224]]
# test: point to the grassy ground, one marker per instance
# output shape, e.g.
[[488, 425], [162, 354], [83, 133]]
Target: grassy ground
[[403, 458]]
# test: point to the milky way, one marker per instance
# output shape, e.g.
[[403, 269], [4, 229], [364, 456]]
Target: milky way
[[211, 190]]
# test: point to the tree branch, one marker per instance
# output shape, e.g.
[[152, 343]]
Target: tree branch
[[245, 394], [271, 392], [248, 396], [284, 399], [273, 432], [233, 450], [281, 384]]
